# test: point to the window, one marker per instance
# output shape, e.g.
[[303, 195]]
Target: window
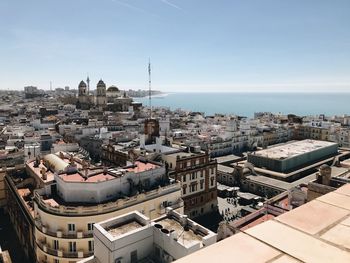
[[212, 181], [72, 246], [56, 261], [184, 178], [193, 176], [202, 184], [91, 245], [193, 188], [56, 244], [184, 189], [71, 227], [90, 226], [133, 256]]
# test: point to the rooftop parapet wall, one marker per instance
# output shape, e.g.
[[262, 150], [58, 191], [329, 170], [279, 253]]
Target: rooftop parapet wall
[[173, 234], [81, 210]]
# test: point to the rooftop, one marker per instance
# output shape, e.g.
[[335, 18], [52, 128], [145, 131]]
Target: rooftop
[[315, 232], [163, 149], [36, 170], [184, 237], [94, 178], [124, 227], [185, 154], [293, 149], [140, 167]]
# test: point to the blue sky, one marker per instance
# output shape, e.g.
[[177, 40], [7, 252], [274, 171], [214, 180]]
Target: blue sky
[[202, 45]]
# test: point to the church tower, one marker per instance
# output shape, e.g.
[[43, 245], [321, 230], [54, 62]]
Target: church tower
[[83, 97], [82, 88], [101, 98]]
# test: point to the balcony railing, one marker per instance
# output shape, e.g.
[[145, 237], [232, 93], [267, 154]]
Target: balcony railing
[[63, 254], [107, 207], [60, 234]]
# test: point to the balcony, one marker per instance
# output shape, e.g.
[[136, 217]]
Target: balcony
[[63, 254], [63, 209], [60, 234]]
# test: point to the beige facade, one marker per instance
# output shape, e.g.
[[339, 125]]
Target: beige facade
[[64, 234], [197, 174], [52, 229]]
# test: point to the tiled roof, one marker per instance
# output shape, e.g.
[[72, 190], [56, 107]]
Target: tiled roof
[[317, 232]]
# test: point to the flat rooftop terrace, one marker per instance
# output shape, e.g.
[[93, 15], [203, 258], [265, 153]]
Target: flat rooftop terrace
[[293, 149], [122, 228], [186, 154], [98, 176], [315, 232], [184, 237], [140, 167]]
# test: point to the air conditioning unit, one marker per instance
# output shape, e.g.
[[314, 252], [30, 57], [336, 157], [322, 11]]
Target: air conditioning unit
[[59, 253], [80, 254], [45, 248], [44, 229], [80, 234]]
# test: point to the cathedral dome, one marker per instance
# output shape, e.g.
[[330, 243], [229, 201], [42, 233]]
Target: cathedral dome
[[113, 89], [82, 84], [101, 84]]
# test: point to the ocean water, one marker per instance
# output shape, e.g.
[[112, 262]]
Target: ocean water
[[246, 104]]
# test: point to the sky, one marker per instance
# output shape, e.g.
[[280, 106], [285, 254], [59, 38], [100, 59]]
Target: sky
[[194, 45]]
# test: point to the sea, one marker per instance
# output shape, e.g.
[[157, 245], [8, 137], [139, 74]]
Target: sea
[[246, 104]]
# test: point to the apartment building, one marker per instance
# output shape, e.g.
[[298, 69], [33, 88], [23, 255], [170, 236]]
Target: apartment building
[[62, 197], [133, 238], [197, 173]]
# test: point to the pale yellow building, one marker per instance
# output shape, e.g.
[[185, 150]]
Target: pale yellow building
[[69, 196], [64, 233]]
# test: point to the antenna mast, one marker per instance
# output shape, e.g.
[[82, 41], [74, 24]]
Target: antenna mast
[[50, 85], [150, 87], [88, 84]]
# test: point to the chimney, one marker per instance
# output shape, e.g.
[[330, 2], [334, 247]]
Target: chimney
[[86, 173], [142, 141], [325, 174], [43, 173]]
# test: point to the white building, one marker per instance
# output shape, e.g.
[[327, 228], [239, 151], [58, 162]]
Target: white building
[[31, 151], [133, 237]]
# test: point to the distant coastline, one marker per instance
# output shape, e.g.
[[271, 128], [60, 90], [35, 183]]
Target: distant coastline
[[144, 93]]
